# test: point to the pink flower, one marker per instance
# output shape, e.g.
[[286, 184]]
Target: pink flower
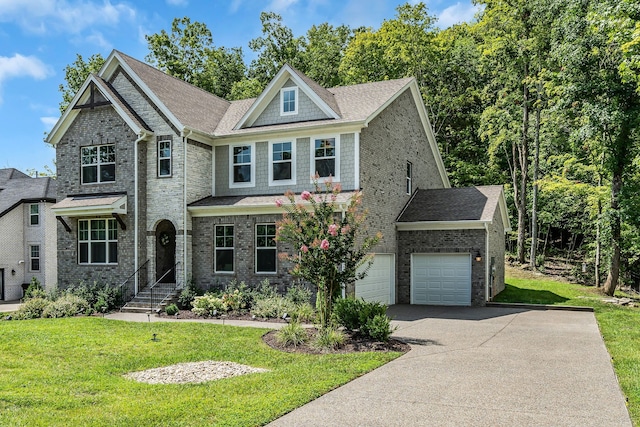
[[279, 203], [304, 248], [344, 230], [305, 195], [333, 230], [324, 245]]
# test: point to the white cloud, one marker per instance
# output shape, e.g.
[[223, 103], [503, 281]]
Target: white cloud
[[67, 16], [22, 66], [49, 122], [457, 13], [279, 6]]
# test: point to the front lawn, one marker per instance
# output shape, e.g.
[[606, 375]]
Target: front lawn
[[69, 372], [619, 326]]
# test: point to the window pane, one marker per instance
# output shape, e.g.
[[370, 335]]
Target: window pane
[[266, 260], [261, 241], [84, 253], [107, 154], [242, 173], [242, 154], [35, 251], [89, 174], [165, 167], [326, 167], [35, 264], [98, 230], [107, 173], [89, 155], [99, 252], [113, 230], [224, 259], [113, 252], [261, 229], [83, 230], [34, 209], [281, 171]]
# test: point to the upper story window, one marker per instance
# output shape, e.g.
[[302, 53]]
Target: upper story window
[[34, 214], [97, 241], [288, 101], [325, 161], [282, 169], [409, 177], [164, 158], [98, 164], [242, 168], [266, 251], [34, 258], [224, 249]]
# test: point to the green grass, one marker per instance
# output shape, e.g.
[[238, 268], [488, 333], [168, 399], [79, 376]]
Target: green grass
[[69, 372], [619, 326]]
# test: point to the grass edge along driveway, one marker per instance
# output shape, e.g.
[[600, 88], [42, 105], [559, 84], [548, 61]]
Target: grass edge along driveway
[[619, 326], [69, 372]]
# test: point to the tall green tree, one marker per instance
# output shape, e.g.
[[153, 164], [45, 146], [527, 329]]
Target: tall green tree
[[75, 75], [323, 49]]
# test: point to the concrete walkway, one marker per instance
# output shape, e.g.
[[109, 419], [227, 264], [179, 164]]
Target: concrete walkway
[[9, 306], [481, 367]]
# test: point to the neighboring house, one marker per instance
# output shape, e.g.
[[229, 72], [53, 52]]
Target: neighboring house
[[28, 228], [159, 177]]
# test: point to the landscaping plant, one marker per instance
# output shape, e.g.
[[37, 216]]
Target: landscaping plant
[[329, 247]]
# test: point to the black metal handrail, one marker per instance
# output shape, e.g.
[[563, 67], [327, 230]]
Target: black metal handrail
[[127, 289], [159, 294]]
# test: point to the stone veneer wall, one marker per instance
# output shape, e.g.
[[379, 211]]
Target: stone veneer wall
[[496, 251], [244, 252], [443, 242], [99, 126]]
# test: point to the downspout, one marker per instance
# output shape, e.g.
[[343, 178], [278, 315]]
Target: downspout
[[136, 210], [486, 262], [357, 161], [185, 138]]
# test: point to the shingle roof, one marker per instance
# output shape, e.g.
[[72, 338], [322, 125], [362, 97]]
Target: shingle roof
[[17, 188], [323, 93], [253, 201], [453, 204], [355, 103], [192, 106]]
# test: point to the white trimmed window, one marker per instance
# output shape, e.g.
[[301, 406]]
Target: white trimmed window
[[409, 177], [242, 165], [34, 214], [325, 160], [282, 170], [224, 245], [164, 158], [34, 258], [98, 164], [288, 101], [97, 241], [266, 251]]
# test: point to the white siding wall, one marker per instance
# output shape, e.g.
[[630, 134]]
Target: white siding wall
[[11, 252]]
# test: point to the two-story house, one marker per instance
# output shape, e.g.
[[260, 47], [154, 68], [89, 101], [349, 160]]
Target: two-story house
[[28, 228], [159, 177]]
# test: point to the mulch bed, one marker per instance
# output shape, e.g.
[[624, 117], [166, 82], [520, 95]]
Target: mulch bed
[[353, 342]]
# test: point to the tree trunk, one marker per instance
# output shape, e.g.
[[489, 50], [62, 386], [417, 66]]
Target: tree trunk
[[523, 159], [614, 270], [534, 197], [598, 235]]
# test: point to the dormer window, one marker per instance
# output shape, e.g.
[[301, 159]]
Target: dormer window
[[288, 101]]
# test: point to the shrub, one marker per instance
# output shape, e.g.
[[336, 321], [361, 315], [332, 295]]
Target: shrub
[[34, 290], [303, 313], [234, 300], [171, 309], [31, 309], [188, 294], [378, 328], [347, 313], [292, 334], [66, 306], [328, 339], [245, 294], [272, 307], [207, 304], [298, 294], [100, 297]]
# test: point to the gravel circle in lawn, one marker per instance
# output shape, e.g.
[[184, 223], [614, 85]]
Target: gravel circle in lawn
[[192, 372]]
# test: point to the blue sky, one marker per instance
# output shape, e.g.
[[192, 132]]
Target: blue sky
[[38, 38]]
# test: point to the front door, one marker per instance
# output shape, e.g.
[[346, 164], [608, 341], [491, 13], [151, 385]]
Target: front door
[[165, 252]]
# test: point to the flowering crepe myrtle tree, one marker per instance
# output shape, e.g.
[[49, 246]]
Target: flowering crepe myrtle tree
[[330, 245]]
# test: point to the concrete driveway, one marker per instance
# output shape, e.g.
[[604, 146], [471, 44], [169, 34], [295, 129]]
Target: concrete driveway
[[481, 367]]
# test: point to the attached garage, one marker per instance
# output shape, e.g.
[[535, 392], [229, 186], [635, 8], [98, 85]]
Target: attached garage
[[441, 279], [379, 283]]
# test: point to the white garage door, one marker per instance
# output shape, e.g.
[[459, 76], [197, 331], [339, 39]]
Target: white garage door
[[439, 279], [379, 284]]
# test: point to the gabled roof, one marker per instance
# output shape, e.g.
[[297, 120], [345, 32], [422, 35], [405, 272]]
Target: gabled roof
[[468, 207], [17, 188], [323, 98]]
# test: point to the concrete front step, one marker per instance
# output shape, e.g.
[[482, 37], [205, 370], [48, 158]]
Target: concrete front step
[[142, 302]]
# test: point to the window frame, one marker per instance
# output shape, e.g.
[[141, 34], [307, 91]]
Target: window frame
[[37, 258], [111, 226], [273, 248], [409, 185], [98, 165], [164, 158], [336, 177], [252, 163], [33, 215], [216, 248], [284, 90], [292, 160]]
